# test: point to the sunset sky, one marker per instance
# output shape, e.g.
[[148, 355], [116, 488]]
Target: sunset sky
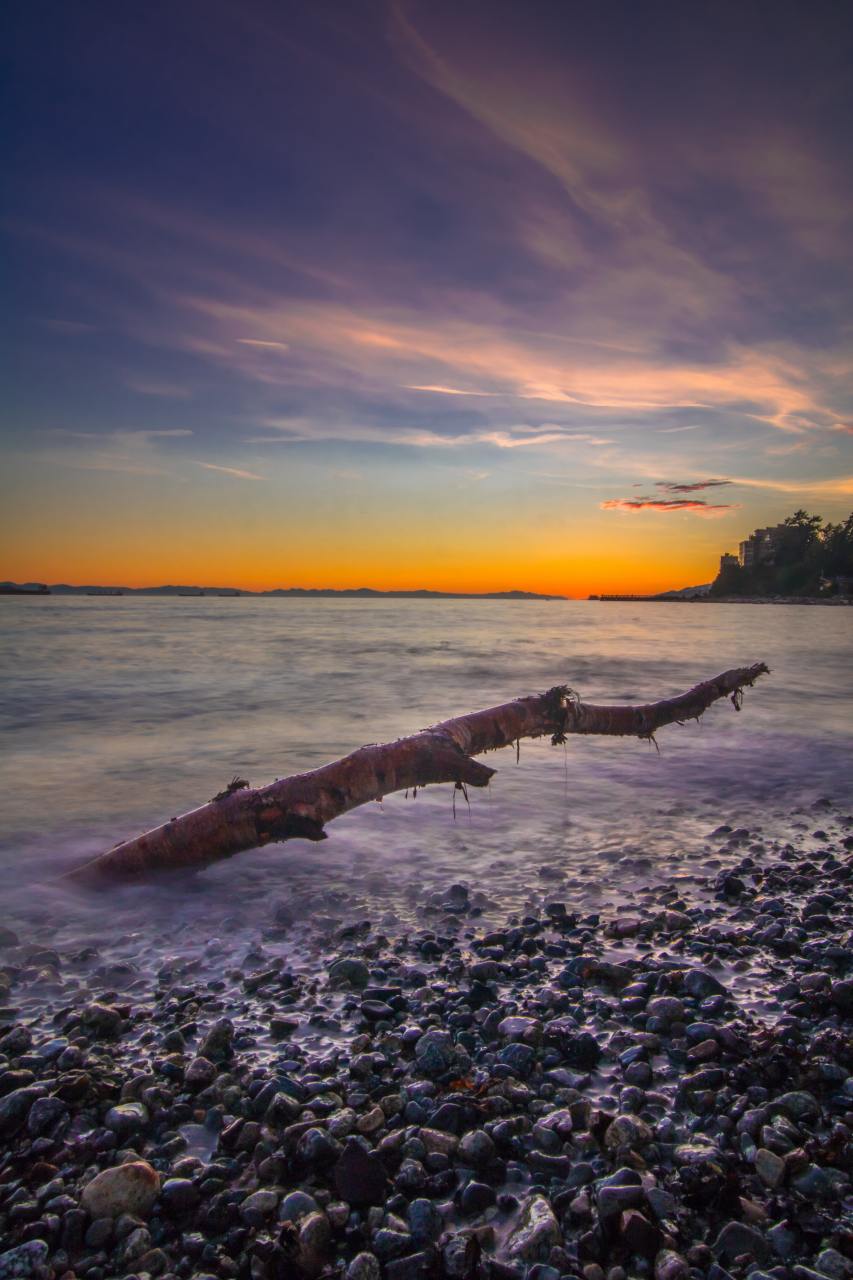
[[417, 293]]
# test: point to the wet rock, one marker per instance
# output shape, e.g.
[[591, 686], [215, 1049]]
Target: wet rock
[[200, 1073], [536, 1232], [16, 1041], [476, 1197], [102, 1021], [15, 1108], [700, 984], [528, 1030], [218, 1044], [349, 972], [317, 1149], [670, 1265], [179, 1196], [627, 1131], [612, 1202], [436, 1054], [126, 1119], [667, 1008], [127, 1188]]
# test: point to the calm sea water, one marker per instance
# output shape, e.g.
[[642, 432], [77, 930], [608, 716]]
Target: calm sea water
[[120, 712]]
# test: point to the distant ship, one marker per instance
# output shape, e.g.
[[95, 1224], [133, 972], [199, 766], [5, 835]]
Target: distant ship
[[39, 589], [191, 593], [107, 591]]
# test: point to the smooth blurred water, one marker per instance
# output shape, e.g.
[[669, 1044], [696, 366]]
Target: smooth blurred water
[[118, 713]]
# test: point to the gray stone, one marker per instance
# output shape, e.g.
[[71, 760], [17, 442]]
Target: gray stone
[[364, 1266], [258, 1206], [360, 1176], [127, 1188], [424, 1221], [47, 1116], [314, 1243], [436, 1054], [15, 1108], [667, 1008], [477, 1148], [26, 1260], [831, 1263], [798, 1104], [783, 1240], [813, 1182], [536, 1232], [296, 1205], [670, 1265], [737, 1239], [390, 1244], [769, 1167]]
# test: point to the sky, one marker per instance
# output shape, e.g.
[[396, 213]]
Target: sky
[[414, 293]]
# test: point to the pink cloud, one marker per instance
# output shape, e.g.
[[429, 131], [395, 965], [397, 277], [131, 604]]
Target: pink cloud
[[695, 505]]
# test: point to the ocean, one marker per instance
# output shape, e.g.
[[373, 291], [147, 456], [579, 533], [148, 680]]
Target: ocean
[[118, 713]]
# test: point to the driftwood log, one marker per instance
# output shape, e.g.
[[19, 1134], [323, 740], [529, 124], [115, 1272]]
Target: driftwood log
[[300, 806]]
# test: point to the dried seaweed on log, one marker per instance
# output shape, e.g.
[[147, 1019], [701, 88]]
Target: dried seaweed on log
[[300, 807]]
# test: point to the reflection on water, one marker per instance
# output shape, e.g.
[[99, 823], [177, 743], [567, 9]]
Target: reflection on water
[[120, 712]]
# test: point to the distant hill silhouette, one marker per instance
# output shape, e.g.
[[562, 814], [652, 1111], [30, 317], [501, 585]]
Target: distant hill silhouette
[[350, 593]]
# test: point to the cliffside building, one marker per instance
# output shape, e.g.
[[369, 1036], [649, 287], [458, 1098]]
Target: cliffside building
[[760, 547]]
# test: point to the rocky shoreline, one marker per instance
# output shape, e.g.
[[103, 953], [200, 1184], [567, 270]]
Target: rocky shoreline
[[665, 1091]]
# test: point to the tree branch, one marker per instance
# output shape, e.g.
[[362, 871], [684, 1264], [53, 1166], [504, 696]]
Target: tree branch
[[299, 807]]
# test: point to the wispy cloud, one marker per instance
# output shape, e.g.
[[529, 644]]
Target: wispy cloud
[[451, 391], [262, 342], [131, 452], [229, 471], [693, 487]]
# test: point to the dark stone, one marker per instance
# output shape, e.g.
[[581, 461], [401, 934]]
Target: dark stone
[[359, 1176]]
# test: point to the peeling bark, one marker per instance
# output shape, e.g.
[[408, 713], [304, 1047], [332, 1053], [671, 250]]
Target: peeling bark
[[299, 807]]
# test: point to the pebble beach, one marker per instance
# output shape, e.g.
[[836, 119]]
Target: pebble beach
[[663, 1090]]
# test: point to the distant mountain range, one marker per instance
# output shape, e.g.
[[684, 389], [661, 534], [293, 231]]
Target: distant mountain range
[[353, 593]]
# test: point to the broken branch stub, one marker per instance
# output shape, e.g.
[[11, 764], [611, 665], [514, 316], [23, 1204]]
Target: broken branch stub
[[299, 807]]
